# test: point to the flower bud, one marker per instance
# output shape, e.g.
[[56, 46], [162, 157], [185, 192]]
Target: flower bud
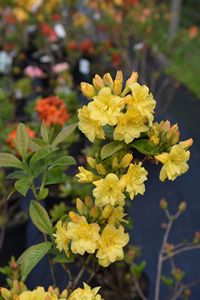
[[107, 79], [182, 207], [79, 206], [126, 160], [132, 79], [91, 162], [89, 202], [107, 211], [98, 82], [88, 90], [100, 169], [154, 140], [6, 294], [119, 76], [186, 144], [178, 274], [115, 164], [95, 212], [64, 294], [163, 204], [117, 87], [74, 217]]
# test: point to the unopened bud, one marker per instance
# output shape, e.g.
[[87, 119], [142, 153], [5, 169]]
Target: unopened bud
[[95, 212], [182, 207], [98, 82], [163, 204], [107, 211], [88, 90], [100, 169], [115, 163], [79, 206], [186, 144], [89, 202], [154, 140], [119, 76], [74, 217], [132, 79], [117, 87], [64, 294], [91, 162], [6, 294], [126, 160], [107, 79]]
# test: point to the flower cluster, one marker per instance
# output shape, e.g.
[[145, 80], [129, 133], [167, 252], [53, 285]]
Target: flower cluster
[[125, 113], [93, 230], [129, 111], [52, 111], [20, 292]]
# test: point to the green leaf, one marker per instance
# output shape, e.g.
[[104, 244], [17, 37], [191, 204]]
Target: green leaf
[[169, 281], [63, 161], [40, 218], [43, 194], [138, 269], [31, 257], [63, 259], [145, 147], [44, 132], [10, 161], [55, 176], [110, 149], [16, 175], [22, 185], [43, 152], [22, 139], [63, 134]]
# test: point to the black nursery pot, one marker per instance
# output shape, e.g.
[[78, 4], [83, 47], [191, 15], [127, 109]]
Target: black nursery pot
[[14, 242]]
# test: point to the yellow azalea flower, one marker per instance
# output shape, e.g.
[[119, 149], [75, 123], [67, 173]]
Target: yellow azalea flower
[[142, 100], [130, 125], [83, 236], [85, 175], [134, 180], [85, 294], [20, 14], [106, 107], [90, 127], [109, 190], [61, 237], [174, 162], [117, 216], [38, 294], [111, 245]]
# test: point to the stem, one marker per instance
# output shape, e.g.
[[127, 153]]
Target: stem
[[183, 287], [50, 264], [139, 290], [79, 275], [180, 250], [160, 259]]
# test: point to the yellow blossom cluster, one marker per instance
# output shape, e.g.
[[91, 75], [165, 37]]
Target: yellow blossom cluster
[[129, 111], [124, 113], [39, 293], [79, 236]]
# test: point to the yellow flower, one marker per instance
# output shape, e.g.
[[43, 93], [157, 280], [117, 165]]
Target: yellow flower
[[174, 162], [88, 90], [85, 175], [142, 100], [134, 180], [109, 190], [84, 236], [115, 215], [106, 107], [130, 125], [20, 14], [85, 294], [61, 237], [111, 245], [90, 127], [38, 294]]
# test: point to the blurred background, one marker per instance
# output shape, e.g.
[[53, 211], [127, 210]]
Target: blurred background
[[47, 47]]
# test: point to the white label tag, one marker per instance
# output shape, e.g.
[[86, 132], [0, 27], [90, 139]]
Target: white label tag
[[84, 66]]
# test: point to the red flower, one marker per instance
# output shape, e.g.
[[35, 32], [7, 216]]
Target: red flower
[[87, 46], [52, 111]]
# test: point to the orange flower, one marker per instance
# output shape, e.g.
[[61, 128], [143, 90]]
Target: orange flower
[[87, 46], [11, 138], [52, 110], [193, 31]]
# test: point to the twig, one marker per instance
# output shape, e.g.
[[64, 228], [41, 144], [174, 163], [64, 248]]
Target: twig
[[183, 287], [79, 275], [138, 288], [160, 259], [180, 250]]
